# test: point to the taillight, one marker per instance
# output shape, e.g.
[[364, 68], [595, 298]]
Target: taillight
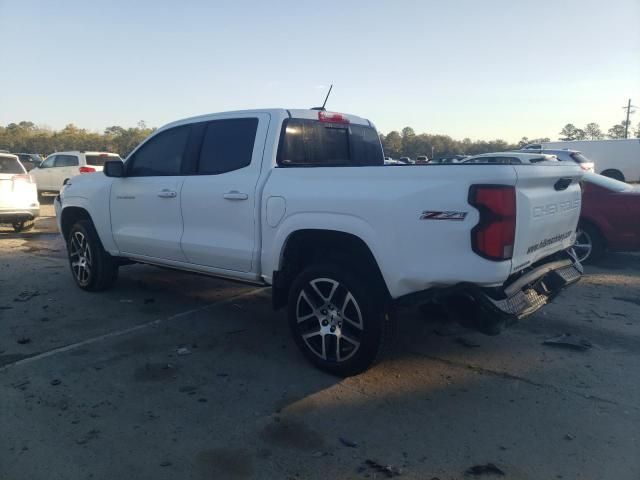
[[87, 169], [494, 235], [21, 178], [332, 117]]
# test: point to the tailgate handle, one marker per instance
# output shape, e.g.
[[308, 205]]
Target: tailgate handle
[[563, 183]]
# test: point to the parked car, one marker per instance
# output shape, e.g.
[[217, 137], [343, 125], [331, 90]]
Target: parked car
[[391, 161], [510, 158], [422, 159], [18, 196], [610, 218], [60, 166], [566, 155], [450, 159], [232, 195], [406, 160], [619, 159], [29, 160]]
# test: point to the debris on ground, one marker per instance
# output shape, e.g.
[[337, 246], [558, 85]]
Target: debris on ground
[[566, 340], [165, 464], [348, 443], [23, 340], [568, 436], [466, 342], [486, 469], [55, 381], [389, 470], [26, 295], [183, 351]]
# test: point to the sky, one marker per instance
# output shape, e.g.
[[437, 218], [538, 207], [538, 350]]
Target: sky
[[466, 68]]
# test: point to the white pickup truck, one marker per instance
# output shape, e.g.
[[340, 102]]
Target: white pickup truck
[[300, 200]]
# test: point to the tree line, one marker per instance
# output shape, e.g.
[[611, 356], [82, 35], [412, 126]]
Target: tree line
[[29, 138]]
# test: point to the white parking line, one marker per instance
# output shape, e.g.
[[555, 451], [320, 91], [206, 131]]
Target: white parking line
[[119, 333]]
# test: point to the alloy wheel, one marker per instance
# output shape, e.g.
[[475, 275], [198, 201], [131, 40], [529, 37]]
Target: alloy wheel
[[80, 258], [329, 320], [583, 245]]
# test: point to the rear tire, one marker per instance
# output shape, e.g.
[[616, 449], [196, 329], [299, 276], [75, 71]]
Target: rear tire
[[23, 225], [93, 269], [590, 245], [339, 319], [615, 174]]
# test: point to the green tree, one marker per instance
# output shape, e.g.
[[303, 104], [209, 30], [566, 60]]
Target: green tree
[[568, 132], [593, 132], [580, 134], [617, 131]]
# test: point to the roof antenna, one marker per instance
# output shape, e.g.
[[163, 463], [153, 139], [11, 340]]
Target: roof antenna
[[325, 100]]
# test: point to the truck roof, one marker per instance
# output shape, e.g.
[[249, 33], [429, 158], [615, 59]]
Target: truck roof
[[274, 112]]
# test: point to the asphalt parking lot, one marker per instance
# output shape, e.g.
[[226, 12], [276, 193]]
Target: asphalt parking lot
[[178, 376]]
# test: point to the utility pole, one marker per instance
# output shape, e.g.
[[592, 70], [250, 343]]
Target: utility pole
[[629, 112]]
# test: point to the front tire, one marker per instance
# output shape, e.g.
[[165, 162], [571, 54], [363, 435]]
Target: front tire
[[615, 174], [93, 269], [339, 319]]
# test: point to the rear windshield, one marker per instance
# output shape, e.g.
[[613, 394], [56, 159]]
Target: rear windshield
[[580, 158], [314, 143], [10, 166], [98, 160]]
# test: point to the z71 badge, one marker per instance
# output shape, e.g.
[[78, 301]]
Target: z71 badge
[[432, 215]]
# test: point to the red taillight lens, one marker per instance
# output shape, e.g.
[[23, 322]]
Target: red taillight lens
[[21, 178], [87, 169], [332, 117], [494, 235]]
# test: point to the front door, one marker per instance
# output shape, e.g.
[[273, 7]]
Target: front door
[[219, 204], [145, 204]]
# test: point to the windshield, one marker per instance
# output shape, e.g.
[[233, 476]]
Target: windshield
[[608, 183], [10, 166], [99, 159]]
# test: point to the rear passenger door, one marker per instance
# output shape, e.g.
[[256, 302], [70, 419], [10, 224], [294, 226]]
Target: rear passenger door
[[219, 202], [65, 166]]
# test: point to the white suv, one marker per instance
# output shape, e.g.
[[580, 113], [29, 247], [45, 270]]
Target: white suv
[[60, 166]]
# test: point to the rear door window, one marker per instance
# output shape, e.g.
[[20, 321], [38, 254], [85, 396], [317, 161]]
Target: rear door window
[[314, 143], [227, 145], [66, 161]]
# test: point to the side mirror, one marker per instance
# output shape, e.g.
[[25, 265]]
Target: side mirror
[[113, 168]]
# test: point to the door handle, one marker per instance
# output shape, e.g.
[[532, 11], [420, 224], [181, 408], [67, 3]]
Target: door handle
[[235, 195], [166, 193]]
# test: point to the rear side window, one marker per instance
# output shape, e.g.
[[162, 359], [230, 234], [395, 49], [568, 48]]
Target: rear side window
[[162, 155], [313, 143], [227, 145], [10, 166], [98, 160], [66, 161]]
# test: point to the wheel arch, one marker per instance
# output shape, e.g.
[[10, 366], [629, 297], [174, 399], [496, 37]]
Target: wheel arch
[[306, 246], [71, 215], [614, 173], [597, 226]]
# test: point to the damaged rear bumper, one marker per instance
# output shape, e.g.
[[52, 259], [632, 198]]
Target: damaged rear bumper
[[489, 310]]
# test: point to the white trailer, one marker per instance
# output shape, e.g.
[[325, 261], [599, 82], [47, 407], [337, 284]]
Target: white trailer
[[619, 159]]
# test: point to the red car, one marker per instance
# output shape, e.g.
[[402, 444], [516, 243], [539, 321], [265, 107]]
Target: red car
[[610, 218]]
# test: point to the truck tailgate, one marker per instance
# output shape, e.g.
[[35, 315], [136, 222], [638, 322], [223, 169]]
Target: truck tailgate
[[548, 208]]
